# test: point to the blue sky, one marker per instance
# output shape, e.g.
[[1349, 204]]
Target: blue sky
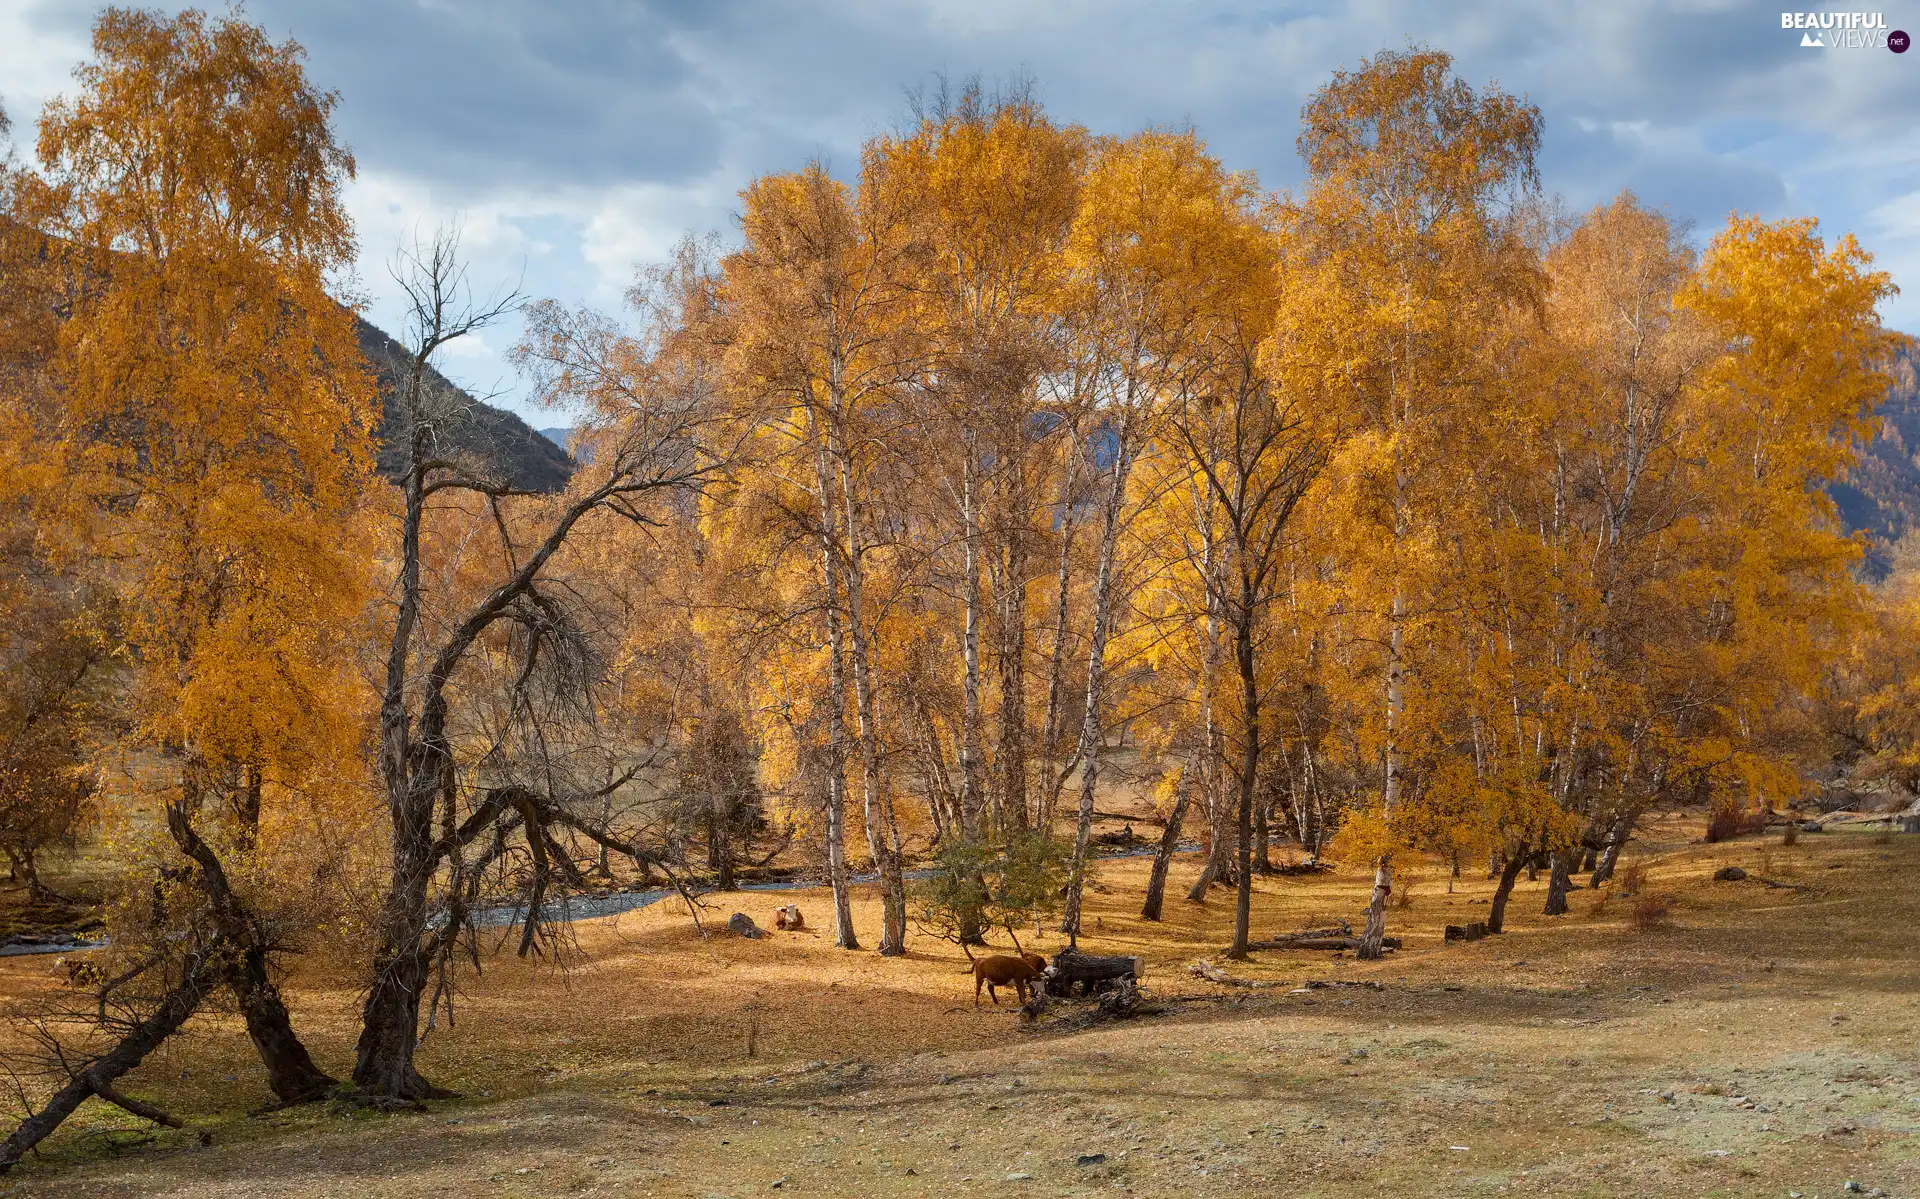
[[576, 139]]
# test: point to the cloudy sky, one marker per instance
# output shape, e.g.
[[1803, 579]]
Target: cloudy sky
[[575, 139]]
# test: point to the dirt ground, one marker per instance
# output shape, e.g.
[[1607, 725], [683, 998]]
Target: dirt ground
[[1762, 1043]]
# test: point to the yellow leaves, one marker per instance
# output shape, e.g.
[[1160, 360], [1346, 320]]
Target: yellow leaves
[[213, 430], [1805, 349], [191, 132], [1364, 836]]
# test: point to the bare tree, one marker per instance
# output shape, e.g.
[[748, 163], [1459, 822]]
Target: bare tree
[[652, 415]]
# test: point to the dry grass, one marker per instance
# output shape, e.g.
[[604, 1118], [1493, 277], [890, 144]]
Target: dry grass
[[1547, 1053]]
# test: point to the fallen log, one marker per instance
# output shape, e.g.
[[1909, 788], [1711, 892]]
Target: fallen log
[[1089, 971], [1473, 930], [1327, 942], [198, 977], [1215, 974], [1342, 929]]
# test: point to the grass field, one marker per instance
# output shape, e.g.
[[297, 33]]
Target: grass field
[[1761, 1043]]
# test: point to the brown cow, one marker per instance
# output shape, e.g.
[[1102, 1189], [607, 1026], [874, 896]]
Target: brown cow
[[1001, 971]]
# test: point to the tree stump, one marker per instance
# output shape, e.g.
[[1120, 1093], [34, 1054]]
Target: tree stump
[[1120, 998], [743, 924], [1471, 931]]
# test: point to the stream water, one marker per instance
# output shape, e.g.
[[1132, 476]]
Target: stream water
[[588, 907]]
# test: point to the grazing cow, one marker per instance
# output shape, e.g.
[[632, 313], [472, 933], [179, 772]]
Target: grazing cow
[[1000, 971]]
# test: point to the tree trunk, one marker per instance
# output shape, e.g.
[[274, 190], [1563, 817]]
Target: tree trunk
[[402, 963], [197, 981], [1376, 927], [1163, 856], [972, 767], [1011, 662], [1509, 874], [1373, 935], [390, 1030], [1558, 882], [1216, 864], [883, 834], [1617, 838], [415, 774], [843, 934], [1262, 824], [720, 837], [1090, 727], [1057, 657], [290, 1069], [1209, 874], [1249, 764]]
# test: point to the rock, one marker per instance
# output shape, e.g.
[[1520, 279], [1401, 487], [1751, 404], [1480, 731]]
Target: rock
[[1812, 826], [1729, 874], [743, 924], [1089, 1159], [1019, 1176], [779, 1182], [1853, 1188]]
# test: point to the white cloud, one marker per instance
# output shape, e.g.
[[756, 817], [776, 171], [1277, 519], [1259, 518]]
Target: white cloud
[[575, 140]]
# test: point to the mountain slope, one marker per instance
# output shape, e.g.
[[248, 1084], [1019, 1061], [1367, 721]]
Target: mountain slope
[[1881, 494], [493, 444]]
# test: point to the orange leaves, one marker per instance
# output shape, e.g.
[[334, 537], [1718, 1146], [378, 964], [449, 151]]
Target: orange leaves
[[1805, 349], [188, 132], [214, 423]]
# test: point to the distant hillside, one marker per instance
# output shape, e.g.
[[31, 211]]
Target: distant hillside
[[1881, 495], [496, 445]]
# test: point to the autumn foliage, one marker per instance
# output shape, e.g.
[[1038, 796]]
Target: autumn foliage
[[1400, 515]]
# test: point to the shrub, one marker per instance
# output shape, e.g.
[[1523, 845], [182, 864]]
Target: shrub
[[1652, 911], [1791, 836], [1726, 821], [974, 887], [1631, 879], [1403, 895]]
